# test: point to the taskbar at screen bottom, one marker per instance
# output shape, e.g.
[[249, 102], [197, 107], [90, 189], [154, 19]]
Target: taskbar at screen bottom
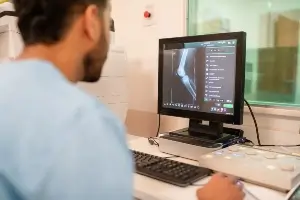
[[213, 110]]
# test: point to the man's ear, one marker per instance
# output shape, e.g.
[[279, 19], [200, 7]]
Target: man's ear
[[91, 23]]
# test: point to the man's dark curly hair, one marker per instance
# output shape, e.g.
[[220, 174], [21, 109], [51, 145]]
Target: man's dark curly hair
[[46, 21]]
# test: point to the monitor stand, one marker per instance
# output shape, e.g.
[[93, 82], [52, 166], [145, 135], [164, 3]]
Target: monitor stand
[[213, 132], [198, 139]]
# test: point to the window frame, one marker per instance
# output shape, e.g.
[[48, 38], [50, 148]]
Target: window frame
[[284, 111]]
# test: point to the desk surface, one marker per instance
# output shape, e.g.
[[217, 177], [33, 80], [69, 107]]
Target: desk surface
[[150, 189]]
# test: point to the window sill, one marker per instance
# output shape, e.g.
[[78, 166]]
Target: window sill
[[274, 111]]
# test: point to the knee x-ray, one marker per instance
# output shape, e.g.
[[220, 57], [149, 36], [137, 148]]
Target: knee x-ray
[[180, 76], [186, 71]]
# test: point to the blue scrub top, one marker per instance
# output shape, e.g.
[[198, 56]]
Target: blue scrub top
[[57, 142]]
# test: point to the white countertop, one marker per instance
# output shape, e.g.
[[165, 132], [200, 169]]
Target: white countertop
[[150, 189]]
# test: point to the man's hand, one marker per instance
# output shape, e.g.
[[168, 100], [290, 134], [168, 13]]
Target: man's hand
[[221, 187]]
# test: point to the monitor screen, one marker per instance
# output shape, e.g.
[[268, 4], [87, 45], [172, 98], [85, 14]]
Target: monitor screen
[[200, 76]]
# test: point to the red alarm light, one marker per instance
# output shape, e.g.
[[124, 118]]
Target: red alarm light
[[147, 14]]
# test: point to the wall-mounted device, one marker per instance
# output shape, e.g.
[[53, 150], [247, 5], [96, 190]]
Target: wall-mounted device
[[202, 78], [149, 15]]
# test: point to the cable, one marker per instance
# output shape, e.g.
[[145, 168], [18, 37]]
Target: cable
[[152, 140], [249, 142], [255, 122], [273, 145], [257, 132], [158, 127]]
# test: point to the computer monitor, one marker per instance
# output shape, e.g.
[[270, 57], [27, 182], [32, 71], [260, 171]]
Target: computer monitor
[[202, 78]]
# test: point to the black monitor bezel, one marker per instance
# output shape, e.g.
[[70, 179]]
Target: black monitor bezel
[[237, 118]]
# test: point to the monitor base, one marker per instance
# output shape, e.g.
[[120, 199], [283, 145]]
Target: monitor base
[[213, 131], [191, 146], [227, 135]]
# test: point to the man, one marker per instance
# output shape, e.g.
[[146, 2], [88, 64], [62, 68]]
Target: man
[[56, 142]]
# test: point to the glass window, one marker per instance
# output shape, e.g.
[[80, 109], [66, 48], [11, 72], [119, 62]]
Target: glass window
[[273, 32]]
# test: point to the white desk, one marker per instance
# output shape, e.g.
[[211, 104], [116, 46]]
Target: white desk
[[150, 189]]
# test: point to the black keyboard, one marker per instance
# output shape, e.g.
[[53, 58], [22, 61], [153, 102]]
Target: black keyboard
[[168, 171]]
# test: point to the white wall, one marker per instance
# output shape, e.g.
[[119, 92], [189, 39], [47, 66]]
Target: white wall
[[142, 43], [142, 50]]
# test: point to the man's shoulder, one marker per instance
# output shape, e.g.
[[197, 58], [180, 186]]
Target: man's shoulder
[[88, 109], [90, 106], [39, 87]]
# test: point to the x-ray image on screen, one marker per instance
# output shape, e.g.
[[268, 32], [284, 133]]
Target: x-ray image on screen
[[180, 75], [186, 71]]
